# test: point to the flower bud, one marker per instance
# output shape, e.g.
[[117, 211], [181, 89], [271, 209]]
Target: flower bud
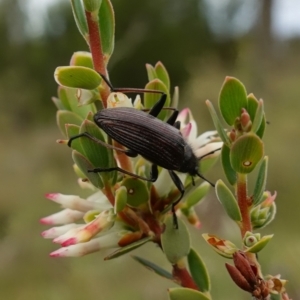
[[103, 221], [62, 217]]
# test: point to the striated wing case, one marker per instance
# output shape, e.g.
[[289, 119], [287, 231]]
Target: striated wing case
[[158, 142]]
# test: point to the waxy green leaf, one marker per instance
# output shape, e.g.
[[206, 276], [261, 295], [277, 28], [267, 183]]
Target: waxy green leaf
[[196, 195], [229, 172], [84, 165], [64, 117], [261, 181], [257, 247], [162, 74], [198, 271], [153, 267], [120, 199], [107, 28], [219, 127], [151, 98], [77, 77], [82, 59], [175, 242], [246, 152], [232, 99], [252, 109], [79, 16], [137, 191], [128, 248], [228, 201]]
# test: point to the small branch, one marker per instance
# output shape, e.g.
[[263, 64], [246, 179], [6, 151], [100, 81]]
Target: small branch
[[96, 51], [123, 159], [243, 203], [182, 276]]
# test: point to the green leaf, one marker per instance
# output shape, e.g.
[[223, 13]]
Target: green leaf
[[77, 77], [246, 152], [228, 201], [97, 154], [151, 72], [222, 133], [153, 267], [57, 102], [73, 130], [151, 98], [175, 242], [258, 117], [137, 192], [229, 172], [68, 96], [120, 199], [162, 74], [257, 247], [79, 16], [128, 248], [252, 108], [198, 271], [82, 59], [64, 117], [261, 181], [92, 5], [197, 195], [84, 165], [186, 294], [232, 99], [107, 28], [263, 222]]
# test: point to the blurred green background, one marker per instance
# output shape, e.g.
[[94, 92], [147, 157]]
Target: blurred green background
[[200, 42]]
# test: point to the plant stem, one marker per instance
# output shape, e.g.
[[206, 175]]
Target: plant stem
[[183, 277], [96, 50], [243, 203]]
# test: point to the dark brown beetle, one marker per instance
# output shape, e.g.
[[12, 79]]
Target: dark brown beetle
[[143, 134]]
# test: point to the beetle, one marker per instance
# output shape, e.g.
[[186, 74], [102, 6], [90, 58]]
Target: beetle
[[142, 133]]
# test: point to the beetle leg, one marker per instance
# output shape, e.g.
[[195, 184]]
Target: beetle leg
[[180, 187], [158, 106], [128, 152], [154, 172], [177, 125], [131, 153], [172, 118]]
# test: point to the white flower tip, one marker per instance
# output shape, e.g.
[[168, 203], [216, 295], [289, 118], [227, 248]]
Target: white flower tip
[[46, 221], [183, 114], [52, 196], [58, 253]]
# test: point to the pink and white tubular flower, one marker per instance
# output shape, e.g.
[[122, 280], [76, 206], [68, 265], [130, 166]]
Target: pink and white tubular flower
[[202, 144], [103, 222], [92, 236]]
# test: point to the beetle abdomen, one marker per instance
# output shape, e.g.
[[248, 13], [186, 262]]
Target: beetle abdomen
[[158, 142]]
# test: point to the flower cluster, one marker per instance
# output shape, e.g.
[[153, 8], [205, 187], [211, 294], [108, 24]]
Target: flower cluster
[[121, 213]]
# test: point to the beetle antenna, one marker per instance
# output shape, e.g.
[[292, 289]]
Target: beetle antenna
[[209, 153], [201, 176], [129, 90]]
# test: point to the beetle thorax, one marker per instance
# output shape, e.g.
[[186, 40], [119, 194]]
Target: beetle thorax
[[190, 162]]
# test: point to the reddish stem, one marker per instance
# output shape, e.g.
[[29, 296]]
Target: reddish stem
[[243, 204], [97, 52], [182, 276], [123, 159]]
